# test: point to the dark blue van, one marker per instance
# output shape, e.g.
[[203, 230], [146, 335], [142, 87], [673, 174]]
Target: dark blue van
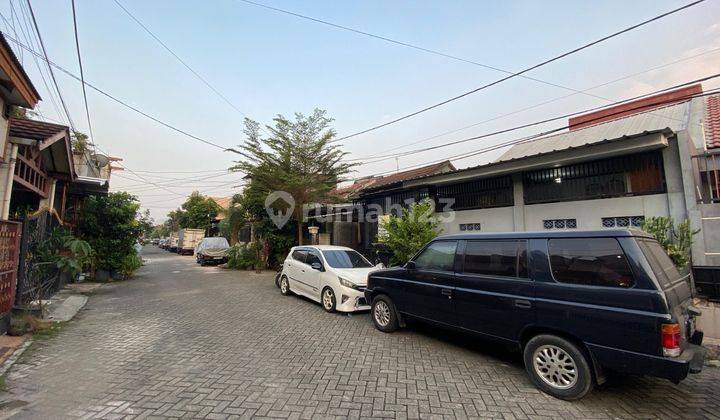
[[575, 303]]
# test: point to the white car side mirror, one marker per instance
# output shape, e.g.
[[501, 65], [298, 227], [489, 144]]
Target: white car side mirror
[[380, 265]]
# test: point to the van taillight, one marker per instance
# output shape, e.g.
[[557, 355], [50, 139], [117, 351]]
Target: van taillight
[[670, 337]]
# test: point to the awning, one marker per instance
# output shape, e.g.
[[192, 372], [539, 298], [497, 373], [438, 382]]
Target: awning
[[53, 141]]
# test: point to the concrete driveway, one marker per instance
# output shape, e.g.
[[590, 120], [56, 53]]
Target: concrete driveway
[[182, 340]]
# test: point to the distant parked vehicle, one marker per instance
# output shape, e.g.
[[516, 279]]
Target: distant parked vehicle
[[212, 250], [334, 276], [576, 303], [188, 240], [173, 243]]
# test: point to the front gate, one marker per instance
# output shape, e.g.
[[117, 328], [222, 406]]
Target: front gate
[[37, 277], [9, 251]]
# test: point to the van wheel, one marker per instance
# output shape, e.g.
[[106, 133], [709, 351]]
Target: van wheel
[[558, 367], [383, 314], [284, 286]]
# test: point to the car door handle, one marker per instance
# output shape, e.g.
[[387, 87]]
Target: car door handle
[[446, 292], [522, 303]]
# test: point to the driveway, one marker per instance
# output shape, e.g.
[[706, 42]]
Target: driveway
[[187, 341]]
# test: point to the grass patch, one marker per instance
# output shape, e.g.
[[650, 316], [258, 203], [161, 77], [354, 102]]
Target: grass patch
[[47, 329]]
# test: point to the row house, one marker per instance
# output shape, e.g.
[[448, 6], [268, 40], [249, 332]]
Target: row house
[[40, 177]]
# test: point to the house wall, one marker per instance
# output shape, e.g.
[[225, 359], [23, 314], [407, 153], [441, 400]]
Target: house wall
[[491, 220], [589, 213], [3, 130]]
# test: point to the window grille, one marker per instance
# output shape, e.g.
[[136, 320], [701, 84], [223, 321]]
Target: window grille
[[479, 193], [560, 224], [623, 222], [630, 175]]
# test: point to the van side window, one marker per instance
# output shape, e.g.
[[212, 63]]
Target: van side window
[[495, 258], [590, 261], [299, 255], [438, 255]]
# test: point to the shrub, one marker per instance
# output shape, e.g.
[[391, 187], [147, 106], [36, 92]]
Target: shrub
[[677, 241], [244, 256], [129, 265], [109, 224], [407, 234]]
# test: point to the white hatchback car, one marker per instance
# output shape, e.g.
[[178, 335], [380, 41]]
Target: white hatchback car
[[334, 276]]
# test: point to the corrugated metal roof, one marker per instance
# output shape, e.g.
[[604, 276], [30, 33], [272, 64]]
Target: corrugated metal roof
[[673, 117]]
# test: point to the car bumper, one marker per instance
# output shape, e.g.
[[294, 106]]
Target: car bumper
[[676, 369], [350, 300]]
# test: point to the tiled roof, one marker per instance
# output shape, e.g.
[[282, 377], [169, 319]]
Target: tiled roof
[[712, 121], [437, 168], [376, 182]]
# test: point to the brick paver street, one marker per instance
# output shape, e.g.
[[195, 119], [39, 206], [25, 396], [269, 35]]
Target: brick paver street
[[187, 341]]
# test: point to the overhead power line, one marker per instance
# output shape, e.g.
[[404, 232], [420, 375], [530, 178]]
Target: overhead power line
[[540, 122], [82, 73], [121, 102], [527, 108], [521, 72], [45, 57], [179, 59], [412, 46], [532, 137]]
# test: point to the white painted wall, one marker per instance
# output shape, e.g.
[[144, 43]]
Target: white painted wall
[[589, 213], [498, 219]]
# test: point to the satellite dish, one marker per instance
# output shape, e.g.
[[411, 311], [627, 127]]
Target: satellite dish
[[101, 160]]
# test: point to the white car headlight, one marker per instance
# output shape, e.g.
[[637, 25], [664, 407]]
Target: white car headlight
[[347, 283]]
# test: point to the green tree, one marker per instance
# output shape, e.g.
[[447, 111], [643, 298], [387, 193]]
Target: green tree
[[109, 224], [407, 234], [147, 224], [79, 142], [296, 157], [197, 212]]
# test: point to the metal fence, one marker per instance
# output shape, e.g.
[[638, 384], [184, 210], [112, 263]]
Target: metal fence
[[37, 278]]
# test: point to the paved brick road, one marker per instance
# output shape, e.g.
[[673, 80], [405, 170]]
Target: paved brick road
[[186, 341]]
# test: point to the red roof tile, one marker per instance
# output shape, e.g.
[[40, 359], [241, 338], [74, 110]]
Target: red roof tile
[[379, 181], [634, 107], [712, 121]]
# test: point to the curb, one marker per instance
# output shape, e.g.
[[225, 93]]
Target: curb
[[15, 356]]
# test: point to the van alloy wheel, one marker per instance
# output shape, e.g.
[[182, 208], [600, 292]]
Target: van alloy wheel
[[555, 366], [382, 313]]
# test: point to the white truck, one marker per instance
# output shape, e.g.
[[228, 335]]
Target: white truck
[[188, 239]]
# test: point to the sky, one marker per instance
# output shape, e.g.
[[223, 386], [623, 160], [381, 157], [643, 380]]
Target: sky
[[267, 63]]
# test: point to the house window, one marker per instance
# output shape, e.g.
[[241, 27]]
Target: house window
[[560, 224], [478, 194], [464, 227], [623, 176], [623, 222]]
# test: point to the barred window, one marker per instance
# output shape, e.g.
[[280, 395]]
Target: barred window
[[615, 177], [479, 193]]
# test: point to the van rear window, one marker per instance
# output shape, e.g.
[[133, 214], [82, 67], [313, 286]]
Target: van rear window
[[590, 261], [663, 267]]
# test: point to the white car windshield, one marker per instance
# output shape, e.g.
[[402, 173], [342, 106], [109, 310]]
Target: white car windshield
[[345, 259]]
